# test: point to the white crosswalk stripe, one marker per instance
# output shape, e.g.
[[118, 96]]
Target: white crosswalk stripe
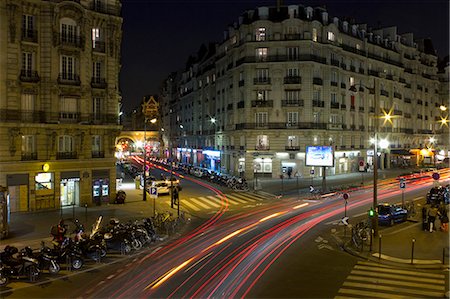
[[368, 279], [215, 202]]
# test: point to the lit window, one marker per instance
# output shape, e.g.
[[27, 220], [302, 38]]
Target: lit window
[[314, 34], [352, 81], [261, 34], [261, 53], [331, 36], [95, 36]]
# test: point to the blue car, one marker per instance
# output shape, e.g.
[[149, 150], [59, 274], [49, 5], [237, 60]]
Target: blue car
[[389, 214]]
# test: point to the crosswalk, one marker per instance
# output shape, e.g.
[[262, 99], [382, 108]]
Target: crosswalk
[[372, 280], [202, 203]]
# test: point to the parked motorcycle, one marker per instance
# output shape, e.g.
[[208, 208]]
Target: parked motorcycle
[[66, 253], [46, 259], [89, 245], [20, 267]]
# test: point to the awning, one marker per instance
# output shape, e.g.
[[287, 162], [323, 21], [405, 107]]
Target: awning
[[401, 152]]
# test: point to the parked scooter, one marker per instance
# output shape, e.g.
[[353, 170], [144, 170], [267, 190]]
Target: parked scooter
[[46, 259], [20, 267], [89, 245]]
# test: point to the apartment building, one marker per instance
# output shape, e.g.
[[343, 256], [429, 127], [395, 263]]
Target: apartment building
[[291, 77], [59, 101]]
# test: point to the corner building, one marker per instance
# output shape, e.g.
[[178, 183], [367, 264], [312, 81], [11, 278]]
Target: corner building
[[59, 101], [280, 81]]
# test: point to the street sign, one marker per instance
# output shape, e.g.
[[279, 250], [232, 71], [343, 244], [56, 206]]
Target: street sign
[[402, 184], [436, 176], [311, 171], [153, 192], [345, 196], [361, 166], [345, 220]]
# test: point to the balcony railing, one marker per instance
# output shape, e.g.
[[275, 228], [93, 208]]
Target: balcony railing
[[317, 81], [97, 82], [70, 40], [292, 80], [29, 35], [261, 80], [292, 36], [9, 115], [292, 148], [241, 83], [343, 106], [29, 156], [98, 46], [334, 105], [384, 93], [334, 62], [373, 73], [333, 83], [262, 147], [258, 103], [292, 103], [69, 79], [398, 112], [230, 107], [98, 154], [397, 95], [241, 104], [343, 85], [407, 100], [318, 103], [66, 155], [361, 109], [29, 76]]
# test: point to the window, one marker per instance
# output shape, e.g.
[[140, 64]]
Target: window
[[67, 67], [261, 118], [292, 53], [335, 119], [343, 99], [65, 144], [292, 96], [316, 117], [28, 144], [262, 74], [241, 76], [333, 97], [96, 69], [262, 95], [352, 81], [69, 31], [292, 118], [333, 56], [69, 108], [96, 143], [292, 141], [96, 108], [334, 76], [314, 34], [316, 95], [27, 62], [27, 102], [292, 72], [27, 23], [260, 34], [262, 142], [261, 54], [330, 36], [95, 37]]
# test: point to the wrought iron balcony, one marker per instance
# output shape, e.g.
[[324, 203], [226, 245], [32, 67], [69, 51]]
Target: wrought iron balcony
[[343, 106], [70, 40], [361, 109], [281, 125], [397, 95], [97, 82], [384, 93], [261, 80], [333, 83], [66, 155], [29, 156], [241, 83], [318, 103], [334, 105], [398, 112], [69, 79], [29, 76], [292, 103], [292, 147], [259, 103], [241, 104], [10, 115], [373, 73], [98, 46], [29, 35], [262, 147], [334, 62], [292, 80], [292, 36], [317, 81]]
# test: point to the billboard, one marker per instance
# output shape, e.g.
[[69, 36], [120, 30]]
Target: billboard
[[319, 156]]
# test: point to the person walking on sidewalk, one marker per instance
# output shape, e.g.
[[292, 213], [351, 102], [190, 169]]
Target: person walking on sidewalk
[[432, 214]]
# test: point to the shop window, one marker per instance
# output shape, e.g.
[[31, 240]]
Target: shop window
[[44, 181], [262, 142]]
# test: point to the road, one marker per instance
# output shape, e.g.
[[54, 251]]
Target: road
[[282, 248]]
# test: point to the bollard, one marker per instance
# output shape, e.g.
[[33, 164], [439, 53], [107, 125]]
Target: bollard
[[379, 247], [412, 251]]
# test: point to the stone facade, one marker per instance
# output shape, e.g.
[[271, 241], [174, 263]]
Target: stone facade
[[59, 101], [291, 77]]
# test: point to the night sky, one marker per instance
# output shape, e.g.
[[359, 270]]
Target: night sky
[[159, 35]]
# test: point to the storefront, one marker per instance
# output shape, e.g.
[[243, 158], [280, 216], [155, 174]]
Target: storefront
[[45, 191], [263, 166], [100, 186], [18, 192], [70, 188], [212, 159]]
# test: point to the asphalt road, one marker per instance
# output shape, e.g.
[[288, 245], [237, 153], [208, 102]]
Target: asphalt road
[[281, 248]]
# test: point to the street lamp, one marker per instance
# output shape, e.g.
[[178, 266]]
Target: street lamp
[[153, 121]]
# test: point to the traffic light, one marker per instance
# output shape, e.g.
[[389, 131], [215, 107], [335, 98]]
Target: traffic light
[[371, 213]]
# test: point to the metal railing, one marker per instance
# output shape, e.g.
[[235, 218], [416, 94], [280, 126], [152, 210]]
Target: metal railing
[[69, 79], [29, 76], [11, 115]]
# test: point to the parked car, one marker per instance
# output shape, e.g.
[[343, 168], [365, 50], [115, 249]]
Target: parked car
[[162, 186], [436, 195], [388, 214], [175, 182]]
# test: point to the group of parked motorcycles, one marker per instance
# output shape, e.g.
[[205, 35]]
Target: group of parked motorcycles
[[29, 263]]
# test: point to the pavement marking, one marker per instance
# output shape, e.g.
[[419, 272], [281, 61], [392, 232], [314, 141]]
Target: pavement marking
[[394, 276], [199, 203], [372, 294], [397, 271], [396, 282], [186, 203], [237, 199], [253, 196], [216, 200], [393, 289], [209, 201], [232, 201]]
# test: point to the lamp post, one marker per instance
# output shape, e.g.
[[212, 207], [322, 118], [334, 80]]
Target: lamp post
[[144, 172], [375, 154]]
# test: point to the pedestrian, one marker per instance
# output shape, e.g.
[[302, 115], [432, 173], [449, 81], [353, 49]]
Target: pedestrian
[[432, 214], [444, 223]]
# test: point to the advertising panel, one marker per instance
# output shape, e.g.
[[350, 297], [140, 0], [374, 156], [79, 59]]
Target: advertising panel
[[319, 156]]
